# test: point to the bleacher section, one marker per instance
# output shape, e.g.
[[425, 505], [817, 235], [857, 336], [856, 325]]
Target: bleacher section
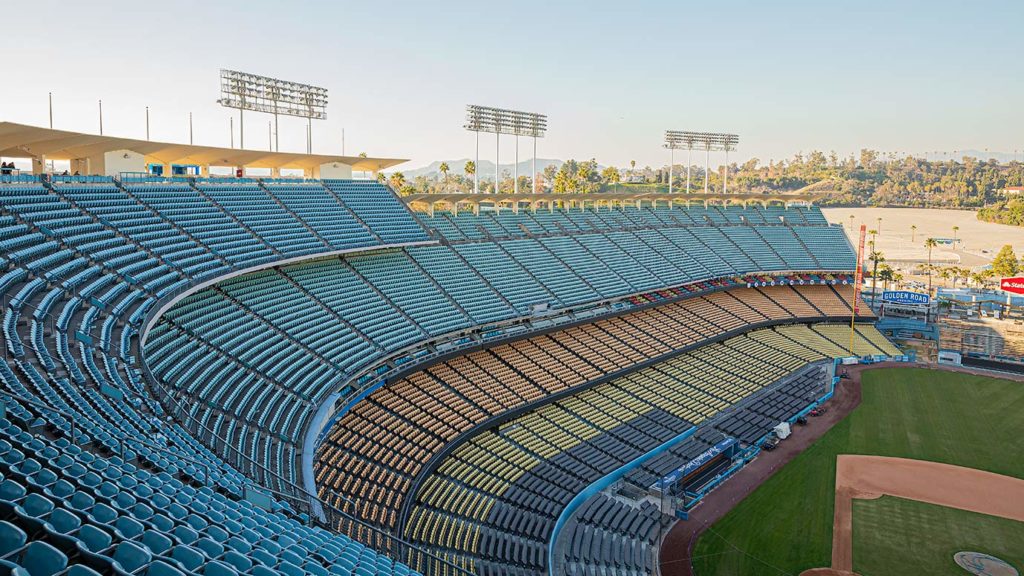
[[507, 223], [81, 267], [377, 449], [491, 505]]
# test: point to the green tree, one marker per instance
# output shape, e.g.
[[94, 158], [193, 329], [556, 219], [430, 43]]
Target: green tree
[[444, 171], [886, 274], [1005, 263], [469, 168], [610, 175], [913, 233], [397, 181], [876, 258], [929, 244]]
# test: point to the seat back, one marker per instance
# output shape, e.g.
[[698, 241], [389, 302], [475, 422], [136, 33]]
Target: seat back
[[41, 559], [93, 538], [11, 538], [131, 556]]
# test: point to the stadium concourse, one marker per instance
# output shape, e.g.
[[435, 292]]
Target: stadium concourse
[[245, 376]]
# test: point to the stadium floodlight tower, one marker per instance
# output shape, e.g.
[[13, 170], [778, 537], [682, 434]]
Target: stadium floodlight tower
[[246, 91], [710, 141], [500, 121]]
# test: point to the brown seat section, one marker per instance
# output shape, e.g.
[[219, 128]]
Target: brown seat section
[[373, 453]]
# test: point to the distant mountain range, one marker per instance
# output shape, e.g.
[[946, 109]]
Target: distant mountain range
[[485, 169]]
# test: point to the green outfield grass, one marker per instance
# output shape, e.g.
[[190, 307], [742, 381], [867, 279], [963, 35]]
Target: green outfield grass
[[785, 526], [891, 530]]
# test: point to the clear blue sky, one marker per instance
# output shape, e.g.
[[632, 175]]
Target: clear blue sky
[[787, 76]]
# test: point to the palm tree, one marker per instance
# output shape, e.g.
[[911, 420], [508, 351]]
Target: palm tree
[[955, 230], [851, 222], [945, 274], [397, 180], [381, 177], [878, 227], [443, 168], [929, 244], [875, 257], [913, 232], [886, 275], [469, 168]]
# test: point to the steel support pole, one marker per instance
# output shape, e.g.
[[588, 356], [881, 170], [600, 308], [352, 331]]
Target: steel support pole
[[241, 129], [231, 129], [497, 160], [147, 123], [671, 165], [534, 164], [707, 167], [51, 110], [725, 175], [190, 140], [515, 169], [476, 166], [689, 154], [101, 117], [277, 132]]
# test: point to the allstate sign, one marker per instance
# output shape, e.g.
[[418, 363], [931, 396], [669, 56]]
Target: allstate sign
[[905, 297], [1015, 285]]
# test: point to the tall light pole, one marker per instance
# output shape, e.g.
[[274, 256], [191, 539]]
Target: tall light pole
[[476, 167], [51, 110], [147, 123], [101, 117], [190, 142]]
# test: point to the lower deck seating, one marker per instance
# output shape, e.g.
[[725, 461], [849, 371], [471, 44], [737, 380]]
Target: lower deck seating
[[611, 536], [374, 452], [491, 505]]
